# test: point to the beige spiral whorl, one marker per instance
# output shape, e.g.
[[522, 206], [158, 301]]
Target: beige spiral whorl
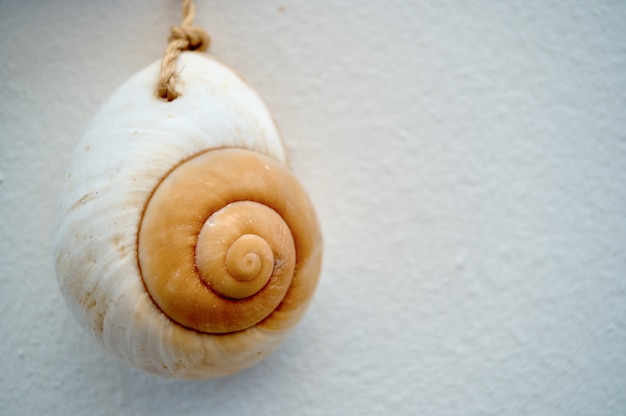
[[221, 240]]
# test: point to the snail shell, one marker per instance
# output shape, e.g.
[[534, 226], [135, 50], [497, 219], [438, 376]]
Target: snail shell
[[183, 244]]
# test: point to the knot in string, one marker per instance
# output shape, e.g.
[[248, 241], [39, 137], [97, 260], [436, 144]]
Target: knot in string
[[195, 38], [182, 38]]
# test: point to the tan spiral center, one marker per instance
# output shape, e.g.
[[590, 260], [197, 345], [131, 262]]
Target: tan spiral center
[[227, 240], [248, 257], [235, 250]]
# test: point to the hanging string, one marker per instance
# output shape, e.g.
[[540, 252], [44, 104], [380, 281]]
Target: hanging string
[[185, 37]]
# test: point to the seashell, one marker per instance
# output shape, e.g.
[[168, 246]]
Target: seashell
[[183, 244]]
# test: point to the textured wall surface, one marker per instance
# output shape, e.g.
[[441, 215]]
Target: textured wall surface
[[468, 165]]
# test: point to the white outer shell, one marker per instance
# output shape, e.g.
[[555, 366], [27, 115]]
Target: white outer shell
[[133, 141]]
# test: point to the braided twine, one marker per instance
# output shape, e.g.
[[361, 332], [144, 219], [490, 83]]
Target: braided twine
[[185, 37]]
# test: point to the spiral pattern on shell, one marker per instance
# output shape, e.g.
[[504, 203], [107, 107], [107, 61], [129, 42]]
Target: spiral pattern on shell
[[218, 246], [183, 243]]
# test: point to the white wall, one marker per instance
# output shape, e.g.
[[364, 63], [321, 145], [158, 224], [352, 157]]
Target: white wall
[[468, 164]]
